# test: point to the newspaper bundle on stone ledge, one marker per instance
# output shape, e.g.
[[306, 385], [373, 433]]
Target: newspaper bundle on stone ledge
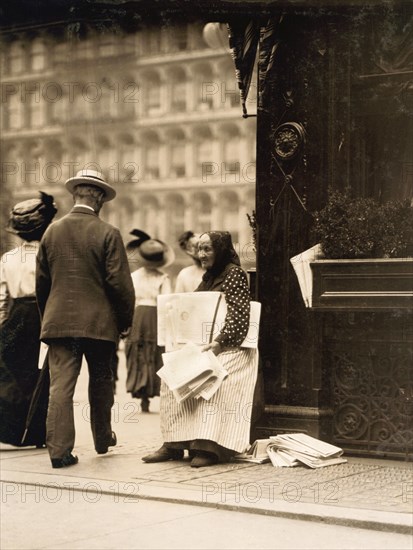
[[288, 450], [186, 322]]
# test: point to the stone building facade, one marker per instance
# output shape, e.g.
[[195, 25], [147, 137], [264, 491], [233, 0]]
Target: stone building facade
[[157, 111]]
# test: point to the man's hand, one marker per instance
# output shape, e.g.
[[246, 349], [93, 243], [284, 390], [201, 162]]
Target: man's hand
[[214, 346]]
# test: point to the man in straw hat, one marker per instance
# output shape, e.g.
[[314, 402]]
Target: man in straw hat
[[86, 298]]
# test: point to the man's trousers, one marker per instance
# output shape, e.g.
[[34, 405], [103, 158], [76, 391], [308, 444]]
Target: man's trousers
[[65, 360]]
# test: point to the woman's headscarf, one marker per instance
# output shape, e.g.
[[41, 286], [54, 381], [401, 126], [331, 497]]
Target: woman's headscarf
[[225, 255]]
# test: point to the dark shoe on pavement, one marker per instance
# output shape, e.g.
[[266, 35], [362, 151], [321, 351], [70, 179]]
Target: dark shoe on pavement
[[145, 404], [203, 459], [67, 460], [163, 454], [102, 450]]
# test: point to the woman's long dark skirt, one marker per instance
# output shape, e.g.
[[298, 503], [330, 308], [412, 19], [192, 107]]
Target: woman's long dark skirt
[[143, 355], [19, 373]]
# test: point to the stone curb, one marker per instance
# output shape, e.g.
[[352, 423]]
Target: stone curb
[[128, 491]]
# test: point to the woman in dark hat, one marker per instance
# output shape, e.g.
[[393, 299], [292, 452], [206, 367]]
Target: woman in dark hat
[[20, 324], [143, 355], [214, 431]]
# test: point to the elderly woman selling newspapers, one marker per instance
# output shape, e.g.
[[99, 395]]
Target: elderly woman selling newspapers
[[215, 430]]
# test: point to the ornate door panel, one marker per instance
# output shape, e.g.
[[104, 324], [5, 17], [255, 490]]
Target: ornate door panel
[[370, 356]]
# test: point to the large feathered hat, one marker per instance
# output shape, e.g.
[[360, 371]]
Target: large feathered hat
[[149, 252], [29, 219]]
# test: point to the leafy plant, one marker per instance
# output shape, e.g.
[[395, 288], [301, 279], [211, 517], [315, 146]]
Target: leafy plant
[[356, 227]]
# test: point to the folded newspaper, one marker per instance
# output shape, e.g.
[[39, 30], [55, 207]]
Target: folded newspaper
[[288, 450], [301, 264], [256, 453], [198, 317], [190, 372]]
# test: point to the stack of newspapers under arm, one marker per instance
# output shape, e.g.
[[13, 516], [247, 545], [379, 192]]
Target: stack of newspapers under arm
[[186, 322], [294, 449], [198, 317], [190, 372]]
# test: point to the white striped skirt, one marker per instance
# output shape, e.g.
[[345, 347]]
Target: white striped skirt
[[226, 417]]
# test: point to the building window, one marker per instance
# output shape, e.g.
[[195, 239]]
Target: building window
[[151, 85], [131, 95], [154, 100], [195, 36], [35, 112], [38, 56], [104, 150], [17, 59], [125, 212], [152, 44], [231, 155], [150, 215], [127, 153], [178, 159], [204, 88], [201, 213], [129, 43], [84, 49], [12, 112], [78, 154], [61, 53], [229, 89], [228, 214], [107, 46], [57, 110], [31, 166], [204, 157], [53, 153], [152, 162], [106, 102], [178, 96], [13, 178], [175, 217], [178, 38]]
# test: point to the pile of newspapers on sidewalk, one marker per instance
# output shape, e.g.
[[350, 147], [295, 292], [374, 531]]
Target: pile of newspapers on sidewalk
[[293, 449], [186, 322]]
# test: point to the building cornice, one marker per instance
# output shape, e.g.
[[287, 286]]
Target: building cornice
[[134, 14]]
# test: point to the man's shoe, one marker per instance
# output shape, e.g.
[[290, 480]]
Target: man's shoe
[[67, 460], [163, 454], [102, 450], [203, 459]]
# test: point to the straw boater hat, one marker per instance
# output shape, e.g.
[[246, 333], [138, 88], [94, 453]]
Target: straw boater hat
[[29, 219], [91, 177], [150, 252]]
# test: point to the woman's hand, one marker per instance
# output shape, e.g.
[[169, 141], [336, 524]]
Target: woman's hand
[[214, 346]]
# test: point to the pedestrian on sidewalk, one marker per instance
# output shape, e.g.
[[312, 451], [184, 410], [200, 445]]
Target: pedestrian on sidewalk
[[143, 355], [189, 278], [20, 324], [85, 295], [213, 431]]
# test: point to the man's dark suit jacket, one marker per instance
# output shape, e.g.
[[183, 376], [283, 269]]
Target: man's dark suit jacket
[[83, 284]]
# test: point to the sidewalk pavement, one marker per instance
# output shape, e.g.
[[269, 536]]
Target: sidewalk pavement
[[366, 493]]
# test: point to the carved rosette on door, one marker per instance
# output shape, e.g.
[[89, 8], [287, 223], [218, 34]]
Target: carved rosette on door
[[289, 141]]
